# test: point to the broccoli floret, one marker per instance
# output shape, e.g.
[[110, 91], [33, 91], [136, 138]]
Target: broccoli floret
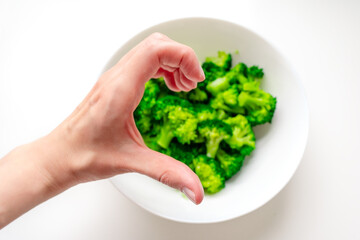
[[221, 114], [215, 67], [142, 114], [151, 137], [143, 121], [164, 90], [254, 72], [214, 131], [243, 138], [251, 86], [223, 60], [196, 95], [181, 152], [210, 173], [260, 106], [151, 142], [223, 83], [178, 118], [225, 100], [230, 163], [230, 96], [212, 71], [151, 92], [204, 112], [240, 74]]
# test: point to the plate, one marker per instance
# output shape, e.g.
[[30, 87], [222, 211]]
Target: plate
[[280, 145]]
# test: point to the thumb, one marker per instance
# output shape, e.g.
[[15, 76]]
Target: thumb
[[169, 171]]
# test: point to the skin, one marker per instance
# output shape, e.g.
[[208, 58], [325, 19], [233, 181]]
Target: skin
[[100, 139]]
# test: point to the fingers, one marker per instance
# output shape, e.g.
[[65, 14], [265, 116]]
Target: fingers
[[173, 55], [158, 56], [168, 171], [176, 81], [183, 60]]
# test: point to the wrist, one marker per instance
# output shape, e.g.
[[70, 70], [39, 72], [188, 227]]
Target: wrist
[[27, 178], [51, 159]]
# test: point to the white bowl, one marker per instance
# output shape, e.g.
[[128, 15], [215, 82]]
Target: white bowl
[[279, 146]]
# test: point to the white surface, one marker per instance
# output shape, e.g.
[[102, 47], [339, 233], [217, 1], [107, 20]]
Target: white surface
[[279, 146], [52, 51]]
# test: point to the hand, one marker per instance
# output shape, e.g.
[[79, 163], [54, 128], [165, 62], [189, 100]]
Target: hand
[[102, 128], [100, 139]]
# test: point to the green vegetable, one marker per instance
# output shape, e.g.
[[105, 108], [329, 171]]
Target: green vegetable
[[243, 137], [223, 60], [210, 173], [210, 128], [178, 120], [143, 112], [196, 95], [231, 77], [230, 162], [181, 152], [228, 101], [214, 131], [204, 112], [260, 106]]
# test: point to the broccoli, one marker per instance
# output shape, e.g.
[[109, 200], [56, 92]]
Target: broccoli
[[223, 60], [151, 137], [182, 153], [204, 112], [215, 67], [164, 90], [223, 83], [254, 72], [178, 118], [151, 142], [210, 173], [142, 120], [230, 96], [208, 128], [221, 114], [142, 114], [195, 96], [250, 80], [214, 131], [260, 106], [238, 75], [228, 101], [231, 163], [251, 86], [243, 138], [212, 72]]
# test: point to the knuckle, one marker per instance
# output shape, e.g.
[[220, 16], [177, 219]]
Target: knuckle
[[153, 42], [165, 178], [156, 36], [188, 51]]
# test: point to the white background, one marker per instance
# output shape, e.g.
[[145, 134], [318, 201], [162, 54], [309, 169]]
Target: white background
[[52, 52]]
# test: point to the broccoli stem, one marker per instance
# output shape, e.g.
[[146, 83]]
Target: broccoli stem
[[236, 109], [246, 99], [218, 85], [166, 135], [212, 146]]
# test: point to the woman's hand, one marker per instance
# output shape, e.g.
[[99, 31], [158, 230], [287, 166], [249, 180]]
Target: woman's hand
[[100, 139]]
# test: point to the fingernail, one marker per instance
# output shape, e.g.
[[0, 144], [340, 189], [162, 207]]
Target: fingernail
[[202, 74], [190, 194]]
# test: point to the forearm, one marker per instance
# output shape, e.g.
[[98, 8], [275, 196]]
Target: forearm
[[26, 179]]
